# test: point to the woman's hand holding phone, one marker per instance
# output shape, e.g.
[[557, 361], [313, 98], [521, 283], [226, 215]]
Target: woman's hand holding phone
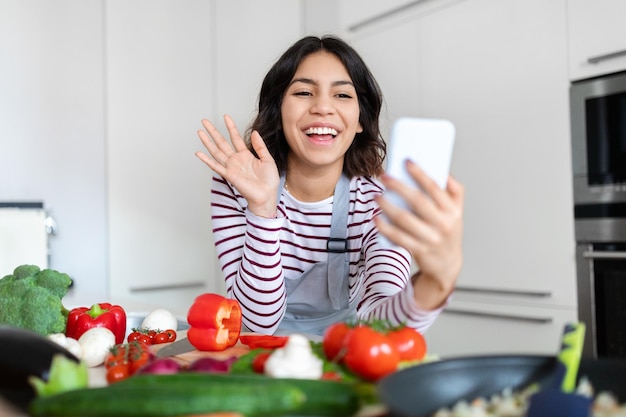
[[423, 206]]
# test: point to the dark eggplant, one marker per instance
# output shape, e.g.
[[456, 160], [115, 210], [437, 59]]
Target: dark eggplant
[[24, 353]]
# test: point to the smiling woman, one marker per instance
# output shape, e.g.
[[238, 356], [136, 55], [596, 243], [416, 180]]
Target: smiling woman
[[303, 257]]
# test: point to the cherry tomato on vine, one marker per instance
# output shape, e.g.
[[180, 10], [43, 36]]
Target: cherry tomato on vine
[[116, 356], [125, 359], [144, 338], [370, 354], [117, 373], [410, 343], [161, 338], [140, 360], [134, 335]]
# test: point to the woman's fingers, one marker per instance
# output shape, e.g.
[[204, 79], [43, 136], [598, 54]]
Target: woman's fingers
[[433, 215], [214, 142], [235, 136], [220, 148], [403, 228]]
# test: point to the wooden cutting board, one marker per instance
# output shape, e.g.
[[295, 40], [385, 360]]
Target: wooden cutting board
[[187, 358]]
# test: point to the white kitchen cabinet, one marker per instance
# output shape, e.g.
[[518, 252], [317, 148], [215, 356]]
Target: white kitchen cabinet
[[482, 329], [158, 88], [498, 71], [597, 37], [355, 13]]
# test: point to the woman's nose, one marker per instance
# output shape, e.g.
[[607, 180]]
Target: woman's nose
[[322, 105]]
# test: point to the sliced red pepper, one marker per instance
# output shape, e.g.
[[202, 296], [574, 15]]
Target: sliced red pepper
[[214, 322], [258, 364], [263, 341], [81, 319]]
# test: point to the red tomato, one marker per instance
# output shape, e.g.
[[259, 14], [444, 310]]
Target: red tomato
[[139, 355], [263, 341], [333, 340], [162, 337], [133, 336], [370, 354], [171, 335], [126, 359], [116, 356], [410, 343], [117, 373], [144, 338], [258, 364]]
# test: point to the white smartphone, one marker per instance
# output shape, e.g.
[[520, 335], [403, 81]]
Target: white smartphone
[[428, 143]]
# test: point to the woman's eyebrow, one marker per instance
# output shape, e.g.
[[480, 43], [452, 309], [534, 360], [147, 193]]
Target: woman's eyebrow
[[313, 82]]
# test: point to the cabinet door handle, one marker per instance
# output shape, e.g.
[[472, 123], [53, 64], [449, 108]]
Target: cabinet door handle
[[499, 316], [501, 291], [604, 255], [605, 57], [183, 285]]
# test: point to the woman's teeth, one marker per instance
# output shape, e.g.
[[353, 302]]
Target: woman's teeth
[[321, 131]]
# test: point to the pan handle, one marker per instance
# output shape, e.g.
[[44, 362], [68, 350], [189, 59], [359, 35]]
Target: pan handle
[[539, 320]]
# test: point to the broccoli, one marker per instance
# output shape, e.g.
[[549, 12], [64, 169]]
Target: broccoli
[[30, 299]]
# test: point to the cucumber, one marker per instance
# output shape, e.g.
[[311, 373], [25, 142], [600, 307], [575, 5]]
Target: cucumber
[[322, 398], [169, 399]]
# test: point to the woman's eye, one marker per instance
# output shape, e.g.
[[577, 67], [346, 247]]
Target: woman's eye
[[344, 95], [302, 93]]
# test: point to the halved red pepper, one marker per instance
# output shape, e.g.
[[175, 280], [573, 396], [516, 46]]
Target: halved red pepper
[[254, 341], [81, 319], [214, 322]]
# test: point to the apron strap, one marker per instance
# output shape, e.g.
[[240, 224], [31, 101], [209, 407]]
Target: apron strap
[[337, 244]]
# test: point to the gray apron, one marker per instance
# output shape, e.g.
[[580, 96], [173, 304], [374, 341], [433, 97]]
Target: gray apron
[[319, 297]]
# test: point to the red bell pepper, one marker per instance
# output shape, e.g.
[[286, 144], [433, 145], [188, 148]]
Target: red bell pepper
[[263, 341], [214, 322], [81, 319]]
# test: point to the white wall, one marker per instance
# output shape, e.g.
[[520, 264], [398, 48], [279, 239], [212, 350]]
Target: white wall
[[52, 125]]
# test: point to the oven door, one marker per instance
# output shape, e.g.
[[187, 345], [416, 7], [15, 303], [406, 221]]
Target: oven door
[[598, 112], [601, 269]]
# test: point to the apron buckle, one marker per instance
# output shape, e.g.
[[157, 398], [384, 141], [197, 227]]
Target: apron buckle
[[337, 245]]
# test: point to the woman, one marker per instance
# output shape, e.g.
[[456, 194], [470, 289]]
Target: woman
[[295, 209]]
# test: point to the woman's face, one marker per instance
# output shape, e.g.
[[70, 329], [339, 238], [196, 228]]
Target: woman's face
[[320, 113]]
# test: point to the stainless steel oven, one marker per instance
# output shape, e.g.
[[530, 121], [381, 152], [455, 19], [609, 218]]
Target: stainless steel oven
[[598, 122]]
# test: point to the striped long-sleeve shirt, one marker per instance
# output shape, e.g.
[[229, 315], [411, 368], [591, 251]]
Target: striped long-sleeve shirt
[[257, 253]]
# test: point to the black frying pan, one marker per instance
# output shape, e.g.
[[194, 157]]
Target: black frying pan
[[421, 390]]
